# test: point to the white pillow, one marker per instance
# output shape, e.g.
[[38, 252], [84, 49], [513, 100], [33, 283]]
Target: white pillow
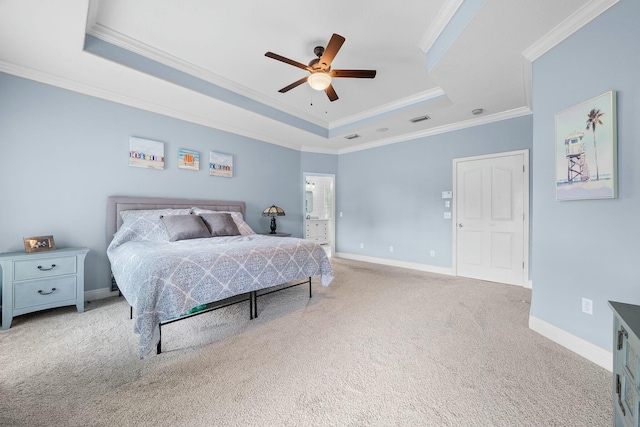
[[147, 225], [243, 227]]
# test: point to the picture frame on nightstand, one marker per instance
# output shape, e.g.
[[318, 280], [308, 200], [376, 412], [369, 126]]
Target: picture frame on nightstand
[[39, 244]]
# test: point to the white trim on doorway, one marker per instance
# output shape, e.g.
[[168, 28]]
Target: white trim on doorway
[[332, 221], [527, 212]]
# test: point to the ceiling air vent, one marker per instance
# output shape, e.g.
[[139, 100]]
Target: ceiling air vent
[[419, 119], [354, 136]]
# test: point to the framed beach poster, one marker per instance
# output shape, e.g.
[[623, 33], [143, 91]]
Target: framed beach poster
[[586, 150], [188, 159], [220, 164], [146, 153]]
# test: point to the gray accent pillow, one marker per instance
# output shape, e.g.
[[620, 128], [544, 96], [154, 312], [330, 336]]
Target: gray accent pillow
[[183, 227], [243, 227], [220, 224]]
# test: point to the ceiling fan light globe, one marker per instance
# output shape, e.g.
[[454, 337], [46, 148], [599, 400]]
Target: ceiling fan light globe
[[319, 81]]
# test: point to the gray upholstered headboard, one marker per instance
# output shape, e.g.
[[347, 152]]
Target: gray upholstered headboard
[[117, 204]]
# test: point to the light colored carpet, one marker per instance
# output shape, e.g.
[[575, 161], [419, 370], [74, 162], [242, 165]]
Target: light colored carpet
[[381, 346]]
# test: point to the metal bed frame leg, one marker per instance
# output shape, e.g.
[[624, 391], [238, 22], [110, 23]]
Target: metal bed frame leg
[[130, 312], [250, 305], [310, 296], [159, 346], [254, 297]]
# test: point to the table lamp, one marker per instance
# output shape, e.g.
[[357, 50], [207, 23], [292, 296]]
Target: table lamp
[[273, 211]]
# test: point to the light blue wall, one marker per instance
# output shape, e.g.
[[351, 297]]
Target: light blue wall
[[319, 163], [62, 154], [587, 248], [392, 195]]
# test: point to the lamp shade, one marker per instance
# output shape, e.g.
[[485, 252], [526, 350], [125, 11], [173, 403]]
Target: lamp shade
[[273, 210], [319, 80]]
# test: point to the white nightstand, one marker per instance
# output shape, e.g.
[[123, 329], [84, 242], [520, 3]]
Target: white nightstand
[[40, 280], [317, 230]]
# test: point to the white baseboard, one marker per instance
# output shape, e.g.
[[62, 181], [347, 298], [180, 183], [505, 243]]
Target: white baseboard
[[396, 263], [529, 284], [589, 351], [99, 294]]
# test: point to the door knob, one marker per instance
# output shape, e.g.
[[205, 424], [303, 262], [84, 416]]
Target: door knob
[[460, 225]]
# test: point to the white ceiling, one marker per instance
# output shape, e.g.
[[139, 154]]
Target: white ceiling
[[223, 43]]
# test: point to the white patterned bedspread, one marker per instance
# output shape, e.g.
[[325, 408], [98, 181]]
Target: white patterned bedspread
[[162, 280]]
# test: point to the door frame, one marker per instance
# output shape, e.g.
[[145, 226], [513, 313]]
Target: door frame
[[332, 223], [525, 241]]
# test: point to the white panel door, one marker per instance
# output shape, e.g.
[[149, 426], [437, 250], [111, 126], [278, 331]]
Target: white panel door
[[490, 202]]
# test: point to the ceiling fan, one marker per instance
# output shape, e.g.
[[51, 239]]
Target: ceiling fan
[[320, 68]]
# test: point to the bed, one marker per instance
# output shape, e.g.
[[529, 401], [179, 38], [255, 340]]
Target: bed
[[166, 276]]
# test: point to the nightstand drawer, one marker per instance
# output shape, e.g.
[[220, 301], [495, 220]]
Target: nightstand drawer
[[40, 268], [40, 292]]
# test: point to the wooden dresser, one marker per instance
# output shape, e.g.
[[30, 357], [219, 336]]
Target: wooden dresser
[[40, 280], [626, 364]]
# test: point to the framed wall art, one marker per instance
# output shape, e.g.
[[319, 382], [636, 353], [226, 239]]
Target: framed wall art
[[586, 150], [146, 153], [188, 159], [220, 164]]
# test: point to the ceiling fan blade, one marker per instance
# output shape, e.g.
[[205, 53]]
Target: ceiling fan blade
[[331, 93], [294, 84], [287, 60], [358, 74], [331, 50]]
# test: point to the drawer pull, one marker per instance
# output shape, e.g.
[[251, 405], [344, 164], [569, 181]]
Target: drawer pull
[[47, 293], [46, 269]]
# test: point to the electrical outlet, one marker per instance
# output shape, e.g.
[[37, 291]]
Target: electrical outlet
[[587, 306], [361, 245], [447, 204], [390, 248], [432, 253], [447, 215]]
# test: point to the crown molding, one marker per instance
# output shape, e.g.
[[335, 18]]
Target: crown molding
[[113, 37], [510, 114], [425, 96], [527, 81], [57, 81], [566, 28], [92, 13], [446, 12], [318, 150]]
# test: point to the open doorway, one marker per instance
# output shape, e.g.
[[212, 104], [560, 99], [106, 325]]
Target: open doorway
[[319, 210]]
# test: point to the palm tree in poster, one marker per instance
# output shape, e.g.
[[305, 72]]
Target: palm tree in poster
[[593, 119]]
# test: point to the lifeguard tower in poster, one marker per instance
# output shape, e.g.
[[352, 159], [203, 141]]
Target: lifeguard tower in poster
[[577, 167]]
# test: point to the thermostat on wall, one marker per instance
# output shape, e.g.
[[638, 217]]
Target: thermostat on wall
[[446, 194]]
